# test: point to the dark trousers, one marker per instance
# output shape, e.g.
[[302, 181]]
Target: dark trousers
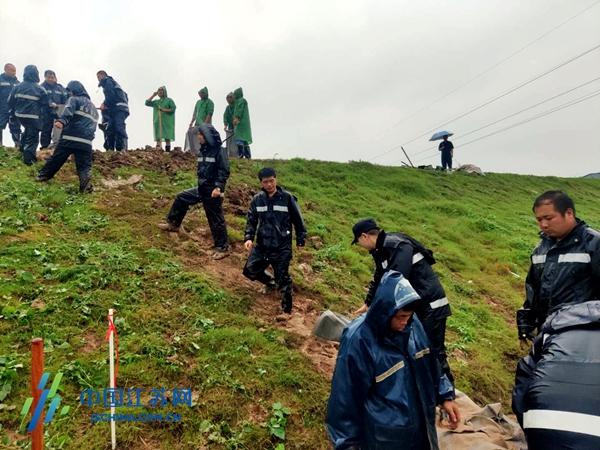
[[213, 207], [446, 160], [115, 137], [278, 259], [30, 140], [83, 162], [243, 149], [13, 125], [46, 134], [436, 332]]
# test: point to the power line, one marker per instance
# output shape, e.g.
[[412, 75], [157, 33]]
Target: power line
[[492, 67], [494, 99], [462, 136], [531, 119]]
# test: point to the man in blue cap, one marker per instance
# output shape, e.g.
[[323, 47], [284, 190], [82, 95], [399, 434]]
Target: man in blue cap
[[387, 381], [404, 254]]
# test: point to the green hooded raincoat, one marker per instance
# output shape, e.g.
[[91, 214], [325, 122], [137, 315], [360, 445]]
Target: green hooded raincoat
[[164, 123], [204, 107], [243, 132]]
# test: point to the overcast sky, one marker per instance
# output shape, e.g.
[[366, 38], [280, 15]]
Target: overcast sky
[[335, 79]]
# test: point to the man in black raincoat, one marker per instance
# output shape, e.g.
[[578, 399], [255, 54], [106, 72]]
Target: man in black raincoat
[[272, 214], [557, 389], [213, 172], [8, 80], [26, 103], [78, 123], [565, 266], [402, 253]]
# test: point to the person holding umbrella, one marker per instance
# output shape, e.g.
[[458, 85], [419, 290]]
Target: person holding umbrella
[[446, 147], [164, 118]]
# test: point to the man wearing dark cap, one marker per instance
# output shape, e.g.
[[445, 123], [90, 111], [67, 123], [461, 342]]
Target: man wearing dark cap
[[404, 254], [213, 172], [272, 214]]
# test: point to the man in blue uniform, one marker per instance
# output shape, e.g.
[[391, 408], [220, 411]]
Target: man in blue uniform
[[78, 123], [26, 102], [387, 380], [8, 80], [565, 266], [57, 97], [117, 109], [272, 214]]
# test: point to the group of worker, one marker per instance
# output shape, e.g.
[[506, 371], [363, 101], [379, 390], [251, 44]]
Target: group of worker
[[392, 369], [236, 120]]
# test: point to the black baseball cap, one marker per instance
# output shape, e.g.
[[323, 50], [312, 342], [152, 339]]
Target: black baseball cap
[[363, 226]]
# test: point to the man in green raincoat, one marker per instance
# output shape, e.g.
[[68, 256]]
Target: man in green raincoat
[[241, 123], [228, 122], [164, 118], [204, 109]]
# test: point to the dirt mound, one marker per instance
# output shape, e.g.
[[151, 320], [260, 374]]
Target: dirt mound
[[150, 159], [238, 199]]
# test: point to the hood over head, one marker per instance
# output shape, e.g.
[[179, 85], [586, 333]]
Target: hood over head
[[208, 131], [573, 315], [238, 93], [30, 73], [76, 89], [394, 293]]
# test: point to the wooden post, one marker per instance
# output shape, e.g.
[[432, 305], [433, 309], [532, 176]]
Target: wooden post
[[37, 370]]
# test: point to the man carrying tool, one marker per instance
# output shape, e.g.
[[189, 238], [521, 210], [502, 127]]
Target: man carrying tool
[[565, 266], [204, 109], [26, 102], [164, 118], [272, 214], [117, 109], [57, 97], [387, 381], [78, 123], [213, 172], [8, 80], [404, 254]]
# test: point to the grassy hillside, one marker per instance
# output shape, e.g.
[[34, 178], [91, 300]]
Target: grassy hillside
[[186, 321]]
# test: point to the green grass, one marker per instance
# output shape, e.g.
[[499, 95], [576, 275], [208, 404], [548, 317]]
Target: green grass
[[66, 258]]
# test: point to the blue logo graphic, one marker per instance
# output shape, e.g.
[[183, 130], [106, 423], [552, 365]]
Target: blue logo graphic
[[47, 394]]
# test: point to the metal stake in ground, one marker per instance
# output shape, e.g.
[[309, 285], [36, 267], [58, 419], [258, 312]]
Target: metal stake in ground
[[405, 154]]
